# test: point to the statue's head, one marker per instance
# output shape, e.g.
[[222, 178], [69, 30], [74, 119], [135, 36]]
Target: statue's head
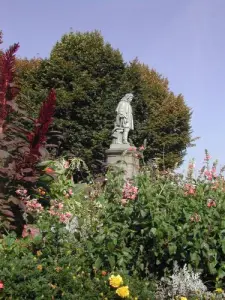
[[128, 97]]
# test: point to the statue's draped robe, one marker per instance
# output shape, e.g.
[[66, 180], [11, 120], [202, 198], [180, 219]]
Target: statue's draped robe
[[124, 115]]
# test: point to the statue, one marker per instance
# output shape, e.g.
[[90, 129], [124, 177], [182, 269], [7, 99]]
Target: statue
[[119, 154], [124, 120], [117, 135]]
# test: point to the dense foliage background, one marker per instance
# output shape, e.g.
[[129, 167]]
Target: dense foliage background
[[90, 77]]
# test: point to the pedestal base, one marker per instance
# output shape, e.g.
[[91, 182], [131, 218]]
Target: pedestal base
[[120, 156]]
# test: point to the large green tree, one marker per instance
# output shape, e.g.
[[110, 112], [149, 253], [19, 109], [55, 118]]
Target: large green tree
[[90, 77], [160, 117]]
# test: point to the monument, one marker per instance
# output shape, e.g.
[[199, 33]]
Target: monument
[[120, 152]]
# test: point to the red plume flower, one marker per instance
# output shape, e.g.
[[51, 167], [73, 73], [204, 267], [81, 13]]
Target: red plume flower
[[38, 136], [7, 70]]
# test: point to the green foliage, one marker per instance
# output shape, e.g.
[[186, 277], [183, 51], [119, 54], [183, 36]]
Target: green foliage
[[90, 77], [172, 219], [160, 117], [53, 266]]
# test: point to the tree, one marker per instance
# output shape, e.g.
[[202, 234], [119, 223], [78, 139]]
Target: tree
[[160, 117], [90, 77]]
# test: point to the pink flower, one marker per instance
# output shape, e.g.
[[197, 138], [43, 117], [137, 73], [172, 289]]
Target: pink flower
[[189, 189], [68, 215], [1, 285], [132, 148], [209, 175], [213, 169], [207, 157], [211, 203], [52, 212], [60, 206], [21, 192], [70, 192], [30, 231], [64, 218], [142, 148], [130, 191], [33, 206]]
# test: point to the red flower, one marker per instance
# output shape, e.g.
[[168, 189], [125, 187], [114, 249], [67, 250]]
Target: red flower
[[1, 285], [38, 136], [49, 170], [104, 273], [211, 203]]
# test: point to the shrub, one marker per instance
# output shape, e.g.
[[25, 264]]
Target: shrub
[[52, 265], [21, 149]]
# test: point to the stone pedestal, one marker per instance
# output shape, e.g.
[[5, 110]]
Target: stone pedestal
[[120, 156]]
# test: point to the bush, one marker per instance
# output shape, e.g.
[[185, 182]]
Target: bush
[[136, 229], [52, 265], [173, 219]]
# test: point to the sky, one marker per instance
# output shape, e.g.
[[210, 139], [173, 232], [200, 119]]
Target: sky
[[182, 39]]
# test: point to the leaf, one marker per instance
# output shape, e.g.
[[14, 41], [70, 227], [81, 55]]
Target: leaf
[[7, 213], [112, 261], [172, 249], [221, 274], [153, 231], [27, 170], [110, 246], [98, 263], [14, 200], [195, 258], [212, 268], [4, 154], [44, 163], [223, 246], [31, 179]]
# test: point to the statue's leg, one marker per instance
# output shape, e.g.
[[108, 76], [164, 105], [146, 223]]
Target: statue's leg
[[118, 121], [125, 135]]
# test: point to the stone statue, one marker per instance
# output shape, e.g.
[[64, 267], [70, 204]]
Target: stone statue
[[124, 120], [119, 154]]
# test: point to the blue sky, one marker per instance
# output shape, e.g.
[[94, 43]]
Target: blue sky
[[182, 39]]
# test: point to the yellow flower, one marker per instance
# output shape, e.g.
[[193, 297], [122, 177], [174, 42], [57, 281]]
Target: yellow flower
[[123, 292], [115, 281], [183, 298], [219, 290], [39, 267], [39, 253]]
